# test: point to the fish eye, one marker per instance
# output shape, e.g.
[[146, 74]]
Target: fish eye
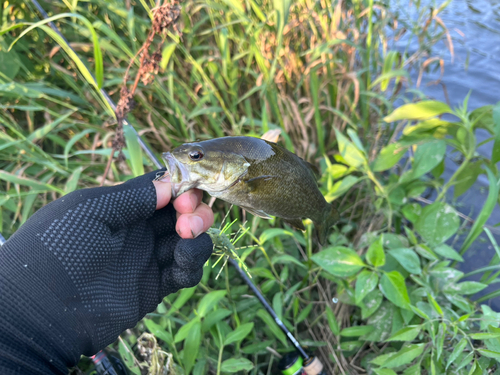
[[196, 155]]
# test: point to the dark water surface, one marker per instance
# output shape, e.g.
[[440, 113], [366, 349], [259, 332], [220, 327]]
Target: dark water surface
[[475, 30]]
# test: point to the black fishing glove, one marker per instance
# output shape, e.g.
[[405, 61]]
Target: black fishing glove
[[85, 268]]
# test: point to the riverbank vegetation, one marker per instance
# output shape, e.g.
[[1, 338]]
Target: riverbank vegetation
[[385, 295]]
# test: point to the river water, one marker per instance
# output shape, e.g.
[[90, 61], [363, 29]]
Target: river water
[[475, 30]]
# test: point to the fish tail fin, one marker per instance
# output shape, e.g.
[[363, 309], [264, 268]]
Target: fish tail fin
[[322, 228]]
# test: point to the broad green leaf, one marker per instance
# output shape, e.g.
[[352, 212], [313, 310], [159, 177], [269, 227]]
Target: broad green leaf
[[191, 346], [375, 254], [365, 283], [485, 335], [412, 211], [332, 322], [448, 252], [392, 285], [9, 62], [158, 331], [278, 304], [356, 331], [273, 232], [485, 213], [465, 361], [466, 287], [406, 334], [389, 156], [341, 187], [128, 358], [489, 353], [418, 111], [456, 352], [381, 320], [46, 129], [287, 259], [384, 371], [350, 153], [339, 261], [183, 297], [408, 259], [348, 346], [371, 303], [406, 355], [239, 333], [214, 317], [257, 347], [208, 302], [437, 223], [233, 365], [183, 332], [466, 178], [427, 156]]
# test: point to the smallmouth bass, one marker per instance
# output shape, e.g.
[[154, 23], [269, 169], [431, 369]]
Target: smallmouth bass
[[259, 176]]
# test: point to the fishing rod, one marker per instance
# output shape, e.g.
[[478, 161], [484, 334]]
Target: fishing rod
[[291, 364]]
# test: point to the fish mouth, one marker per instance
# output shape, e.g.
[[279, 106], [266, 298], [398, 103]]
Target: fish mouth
[[179, 175]]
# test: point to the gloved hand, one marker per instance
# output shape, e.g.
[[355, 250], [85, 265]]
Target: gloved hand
[[91, 264]]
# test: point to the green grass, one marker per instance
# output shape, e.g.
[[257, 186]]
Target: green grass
[[326, 74]]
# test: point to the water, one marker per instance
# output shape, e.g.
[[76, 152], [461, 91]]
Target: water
[[475, 30]]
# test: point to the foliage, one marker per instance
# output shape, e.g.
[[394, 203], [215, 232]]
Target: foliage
[[384, 296]]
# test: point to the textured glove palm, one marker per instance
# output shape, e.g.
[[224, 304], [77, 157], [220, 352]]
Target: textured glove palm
[[86, 267]]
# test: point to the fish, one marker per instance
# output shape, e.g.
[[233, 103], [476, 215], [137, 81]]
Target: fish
[[255, 174]]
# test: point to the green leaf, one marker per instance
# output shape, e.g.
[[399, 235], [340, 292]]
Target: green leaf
[[448, 252], [485, 335], [384, 371], [437, 223], [214, 317], [418, 111], [134, 149], [408, 259], [158, 331], [73, 180], [406, 355], [365, 283], [257, 347], [375, 254], [271, 324], [232, 365], [459, 348], [183, 297], [273, 232], [12, 178], [489, 353], [304, 313], [435, 305], [356, 331], [467, 359], [339, 261], [412, 211], [406, 334], [128, 358], [495, 152], [332, 322], [287, 259], [485, 213], [209, 301], [349, 152], [427, 156], [389, 156], [467, 287], [393, 287], [46, 129], [341, 187], [239, 333], [371, 303], [466, 178], [191, 346], [183, 332]]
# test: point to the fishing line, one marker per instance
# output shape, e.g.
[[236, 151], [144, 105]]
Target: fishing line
[[307, 359]]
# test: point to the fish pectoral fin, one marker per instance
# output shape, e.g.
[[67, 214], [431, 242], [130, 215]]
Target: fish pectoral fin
[[296, 223], [255, 212], [255, 182]]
